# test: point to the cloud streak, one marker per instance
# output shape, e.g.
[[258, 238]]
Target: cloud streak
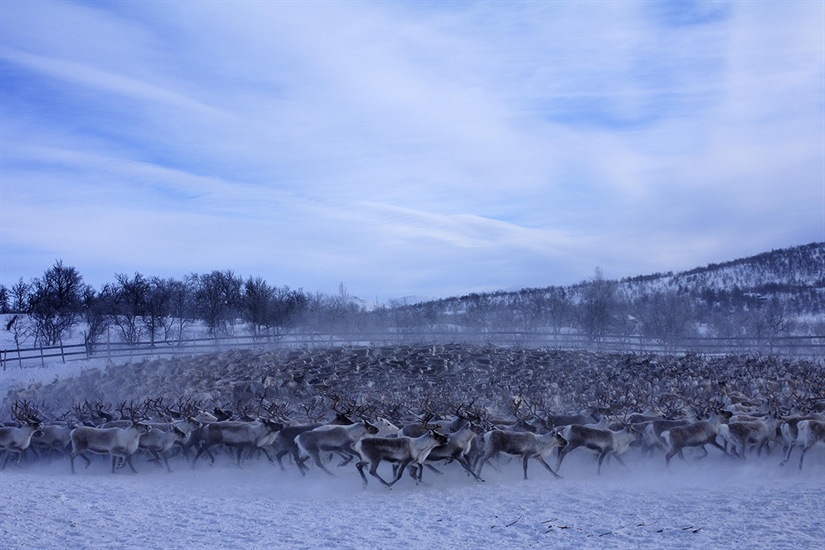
[[408, 149]]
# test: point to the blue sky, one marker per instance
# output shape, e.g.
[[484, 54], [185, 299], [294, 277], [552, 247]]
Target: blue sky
[[407, 149]]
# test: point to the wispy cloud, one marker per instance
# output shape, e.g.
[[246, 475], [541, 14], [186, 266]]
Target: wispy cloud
[[105, 81], [408, 149]]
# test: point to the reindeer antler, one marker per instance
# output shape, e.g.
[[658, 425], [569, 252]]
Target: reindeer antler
[[24, 411]]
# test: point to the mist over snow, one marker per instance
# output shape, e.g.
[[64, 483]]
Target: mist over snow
[[716, 503]]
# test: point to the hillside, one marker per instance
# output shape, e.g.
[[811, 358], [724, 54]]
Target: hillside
[[787, 270], [769, 295]]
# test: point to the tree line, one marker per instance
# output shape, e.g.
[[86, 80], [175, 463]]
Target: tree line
[[139, 308]]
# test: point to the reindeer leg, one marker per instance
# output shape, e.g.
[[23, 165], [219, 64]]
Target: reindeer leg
[[415, 474], [671, 454], [617, 457], [348, 453], [434, 469], [360, 465], [374, 473], [802, 456], [128, 460], [601, 459], [546, 465], [481, 462], [316, 456], [466, 465], [563, 452], [788, 454], [715, 444], [279, 456], [267, 455], [401, 468]]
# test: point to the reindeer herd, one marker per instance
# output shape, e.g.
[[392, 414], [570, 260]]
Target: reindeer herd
[[469, 436]]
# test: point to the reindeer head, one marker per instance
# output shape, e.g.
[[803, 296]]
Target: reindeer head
[[371, 428], [24, 412], [440, 438]]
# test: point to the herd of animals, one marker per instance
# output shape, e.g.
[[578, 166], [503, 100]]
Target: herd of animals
[[784, 410], [468, 439]]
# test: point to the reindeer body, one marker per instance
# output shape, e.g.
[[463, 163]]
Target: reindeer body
[[527, 445], [605, 442], [117, 442], [401, 450], [330, 438]]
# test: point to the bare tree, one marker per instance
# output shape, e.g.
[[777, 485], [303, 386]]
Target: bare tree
[[558, 309], [182, 303], [665, 316], [767, 321], [130, 298], [20, 328], [256, 301], [480, 312], [597, 306], [341, 310], [55, 303], [157, 319], [286, 308], [96, 314], [20, 294], [218, 300]]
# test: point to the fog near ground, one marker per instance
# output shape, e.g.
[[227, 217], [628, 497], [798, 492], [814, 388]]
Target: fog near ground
[[716, 501]]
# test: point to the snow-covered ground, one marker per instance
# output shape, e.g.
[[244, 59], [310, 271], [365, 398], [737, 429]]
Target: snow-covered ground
[[716, 502]]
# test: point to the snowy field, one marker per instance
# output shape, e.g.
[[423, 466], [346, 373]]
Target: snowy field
[[716, 502]]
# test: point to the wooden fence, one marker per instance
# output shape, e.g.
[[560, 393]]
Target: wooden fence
[[811, 347]]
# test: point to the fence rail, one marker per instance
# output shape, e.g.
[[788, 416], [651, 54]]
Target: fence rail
[[794, 346]]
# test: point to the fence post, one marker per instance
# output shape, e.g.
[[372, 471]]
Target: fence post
[[62, 353], [42, 358]]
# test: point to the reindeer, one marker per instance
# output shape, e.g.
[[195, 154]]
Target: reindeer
[[789, 429], [54, 437], [400, 450], [16, 439], [285, 438], [158, 442], [527, 445], [653, 432], [116, 442], [605, 441], [738, 435], [561, 420], [697, 434], [811, 432], [240, 435], [330, 438], [457, 448], [385, 428]]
